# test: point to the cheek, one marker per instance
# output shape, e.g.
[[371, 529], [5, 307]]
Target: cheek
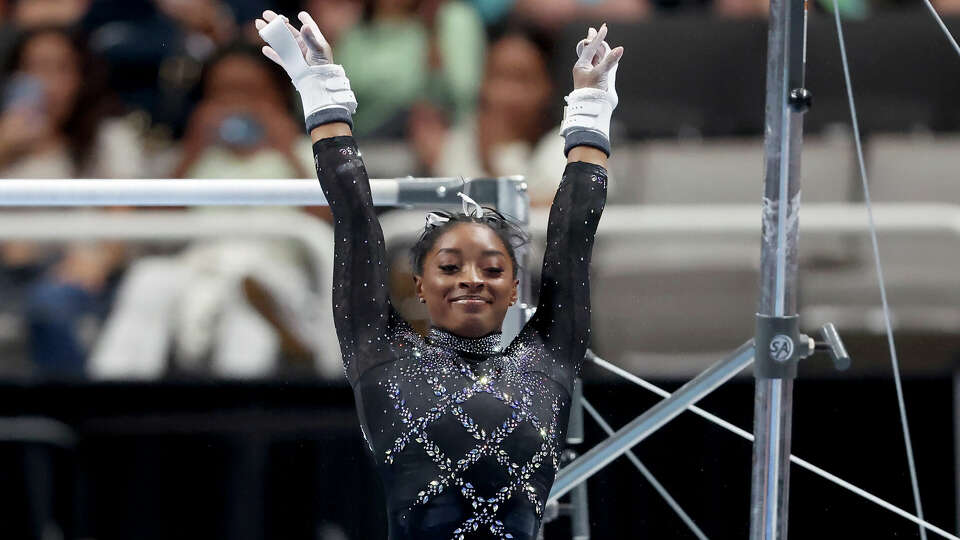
[[436, 285], [503, 288]]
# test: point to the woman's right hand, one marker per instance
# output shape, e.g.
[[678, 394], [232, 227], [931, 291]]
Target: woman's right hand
[[315, 48], [307, 58]]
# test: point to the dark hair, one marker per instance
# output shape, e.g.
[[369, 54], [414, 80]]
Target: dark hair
[[242, 49], [509, 232], [369, 10], [94, 101], [544, 41]]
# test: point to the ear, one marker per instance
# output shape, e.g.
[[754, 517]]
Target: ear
[[513, 293], [418, 285]]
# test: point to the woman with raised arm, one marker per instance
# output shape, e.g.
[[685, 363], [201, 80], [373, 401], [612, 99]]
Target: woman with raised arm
[[466, 433]]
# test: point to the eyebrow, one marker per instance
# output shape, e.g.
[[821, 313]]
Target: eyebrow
[[486, 252]]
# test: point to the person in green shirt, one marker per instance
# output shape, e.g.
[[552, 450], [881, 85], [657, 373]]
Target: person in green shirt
[[403, 50]]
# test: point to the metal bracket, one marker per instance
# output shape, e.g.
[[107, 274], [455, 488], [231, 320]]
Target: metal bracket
[[779, 347]]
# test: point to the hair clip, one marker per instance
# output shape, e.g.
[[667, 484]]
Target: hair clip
[[477, 210], [434, 220]]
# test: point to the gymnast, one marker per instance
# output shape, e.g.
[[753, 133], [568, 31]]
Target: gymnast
[[466, 432]]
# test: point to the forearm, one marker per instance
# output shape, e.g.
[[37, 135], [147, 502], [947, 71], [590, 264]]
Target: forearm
[[587, 154], [333, 129], [361, 300], [563, 314]]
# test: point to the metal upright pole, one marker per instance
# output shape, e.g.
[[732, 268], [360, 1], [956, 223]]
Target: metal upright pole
[[777, 341]]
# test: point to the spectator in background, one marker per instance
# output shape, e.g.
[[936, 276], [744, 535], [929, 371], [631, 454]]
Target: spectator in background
[[516, 127], [947, 7], [337, 16], [242, 127], [214, 309], [36, 13], [553, 14], [404, 49], [57, 122], [741, 9]]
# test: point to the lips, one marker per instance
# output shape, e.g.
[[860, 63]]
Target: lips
[[469, 298]]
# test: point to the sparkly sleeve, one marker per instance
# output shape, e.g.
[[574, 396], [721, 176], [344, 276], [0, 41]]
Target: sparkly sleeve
[[361, 302], [562, 320]]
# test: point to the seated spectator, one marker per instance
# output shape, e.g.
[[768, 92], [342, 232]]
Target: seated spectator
[[242, 127], [230, 308], [515, 129], [40, 13], [741, 9], [557, 13], [947, 7], [402, 48], [337, 16], [56, 123]]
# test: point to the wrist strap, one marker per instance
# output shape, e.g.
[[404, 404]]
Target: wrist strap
[[589, 108], [586, 119], [326, 95], [586, 137]]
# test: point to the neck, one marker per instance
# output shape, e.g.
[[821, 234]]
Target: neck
[[487, 345]]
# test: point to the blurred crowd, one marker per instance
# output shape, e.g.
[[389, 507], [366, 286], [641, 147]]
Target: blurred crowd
[[179, 89]]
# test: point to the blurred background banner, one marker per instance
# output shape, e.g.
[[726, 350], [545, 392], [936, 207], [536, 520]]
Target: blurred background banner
[[174, 387]]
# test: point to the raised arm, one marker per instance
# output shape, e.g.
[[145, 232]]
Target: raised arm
[[361, 302], [563, 313]]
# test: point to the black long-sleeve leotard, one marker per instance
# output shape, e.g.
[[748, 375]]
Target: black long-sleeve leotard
[[466, 434]]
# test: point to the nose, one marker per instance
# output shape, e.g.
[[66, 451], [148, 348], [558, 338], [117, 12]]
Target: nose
[[472, 278]]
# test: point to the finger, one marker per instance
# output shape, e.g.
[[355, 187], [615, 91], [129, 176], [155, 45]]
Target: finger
[[596, 43], [315, 40], [602, 52], [602, 33], [611, 59], [602, 47], [260, 24], [270, 15], [311, 32], [293, 30], [589, 52], [272, 54]]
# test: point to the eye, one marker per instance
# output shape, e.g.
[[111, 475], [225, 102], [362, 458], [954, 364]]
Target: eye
[[495, 270], [448, 268]]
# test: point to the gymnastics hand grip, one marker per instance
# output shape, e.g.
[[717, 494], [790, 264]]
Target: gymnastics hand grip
[[278, 36]]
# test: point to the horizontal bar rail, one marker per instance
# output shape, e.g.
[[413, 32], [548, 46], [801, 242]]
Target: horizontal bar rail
[[215, 192]]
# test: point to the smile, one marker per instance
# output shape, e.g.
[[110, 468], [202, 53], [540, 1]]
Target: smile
[[470, 299]]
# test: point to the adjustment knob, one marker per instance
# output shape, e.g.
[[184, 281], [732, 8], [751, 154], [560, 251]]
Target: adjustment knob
[[834, 345], [800, 100]]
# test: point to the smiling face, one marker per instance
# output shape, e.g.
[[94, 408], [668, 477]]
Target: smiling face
[[467, 281]]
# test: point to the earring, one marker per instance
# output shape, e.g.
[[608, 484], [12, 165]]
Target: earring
[[422, 300]]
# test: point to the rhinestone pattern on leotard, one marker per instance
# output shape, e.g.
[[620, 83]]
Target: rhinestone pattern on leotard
[[466, 433]]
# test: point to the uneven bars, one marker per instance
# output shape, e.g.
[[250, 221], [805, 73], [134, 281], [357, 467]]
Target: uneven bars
[[214, 192]]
